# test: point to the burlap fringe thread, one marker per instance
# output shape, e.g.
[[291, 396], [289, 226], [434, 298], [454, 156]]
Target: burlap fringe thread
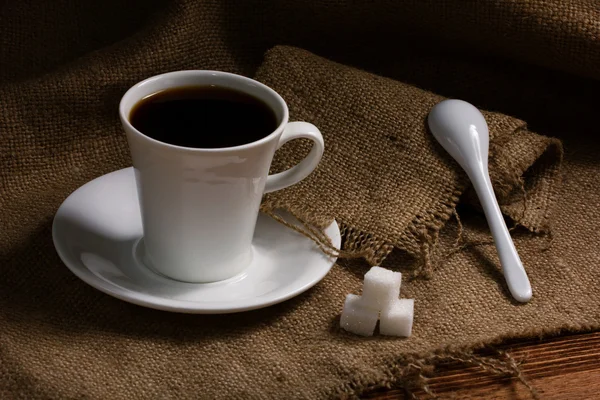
[[412, 374], [357, 244]]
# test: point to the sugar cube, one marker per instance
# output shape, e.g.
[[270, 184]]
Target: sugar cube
[[381, 287], [397, 319], [357, 317]]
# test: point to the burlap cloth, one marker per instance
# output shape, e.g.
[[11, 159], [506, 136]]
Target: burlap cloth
[[66, 64], [383, 177]]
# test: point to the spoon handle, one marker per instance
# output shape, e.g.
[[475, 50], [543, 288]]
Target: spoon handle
[[514, 273]]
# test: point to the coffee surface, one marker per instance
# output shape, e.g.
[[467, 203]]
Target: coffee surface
[[203, 117]]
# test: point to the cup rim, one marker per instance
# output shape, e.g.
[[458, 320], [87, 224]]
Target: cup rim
[[124, 114]]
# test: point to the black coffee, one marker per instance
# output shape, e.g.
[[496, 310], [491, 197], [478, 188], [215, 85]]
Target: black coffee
[[203, 117]]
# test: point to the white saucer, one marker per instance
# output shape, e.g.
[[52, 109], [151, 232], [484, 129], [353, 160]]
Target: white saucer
[[97, 228]]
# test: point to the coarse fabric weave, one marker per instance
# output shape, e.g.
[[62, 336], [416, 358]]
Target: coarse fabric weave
[[65, 64]]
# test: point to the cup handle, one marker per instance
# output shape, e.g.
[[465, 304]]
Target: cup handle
[[297, 130]]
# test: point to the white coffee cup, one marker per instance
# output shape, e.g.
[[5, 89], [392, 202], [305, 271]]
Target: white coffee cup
[[200, 206]]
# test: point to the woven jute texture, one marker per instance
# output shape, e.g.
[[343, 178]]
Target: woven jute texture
[[64, 66]]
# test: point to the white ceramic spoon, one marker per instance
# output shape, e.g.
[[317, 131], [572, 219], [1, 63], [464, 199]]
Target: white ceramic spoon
[[462, 131]]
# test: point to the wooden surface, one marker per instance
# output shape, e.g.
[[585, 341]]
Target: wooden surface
[[566, 367]]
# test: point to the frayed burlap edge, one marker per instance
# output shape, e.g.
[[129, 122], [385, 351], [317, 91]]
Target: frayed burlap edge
[[526, 185], [420, 238], [411, 372], [356, 243]]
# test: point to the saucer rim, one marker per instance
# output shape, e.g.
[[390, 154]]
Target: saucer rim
[[171, 305]]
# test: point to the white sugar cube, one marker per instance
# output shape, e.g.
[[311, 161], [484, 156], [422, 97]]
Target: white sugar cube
[[358, 318], [397, 319], [381, 287]]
